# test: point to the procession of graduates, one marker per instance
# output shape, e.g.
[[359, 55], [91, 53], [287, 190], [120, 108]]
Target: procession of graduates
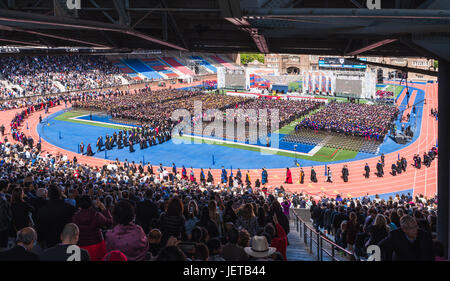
[[145, 136]]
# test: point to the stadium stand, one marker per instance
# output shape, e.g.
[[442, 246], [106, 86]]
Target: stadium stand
[[138, 66], [173, 62], [161, 67], [222, 62], [126, 70], [204, 63]]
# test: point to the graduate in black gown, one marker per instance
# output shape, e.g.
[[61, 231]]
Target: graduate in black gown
[[367, 171], [313, 175], [210, 177], [130, 144], [380, 171], [394, 169], [345, 173]]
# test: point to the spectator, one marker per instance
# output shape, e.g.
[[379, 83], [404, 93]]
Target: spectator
[[352, 229], [407, 243], [208, 224], [21, 211], [231, 251], [201, 252], [215, 250], [438, 251], [90, 222], [61, 252], [278, 237], [173, 222], [126, 236], [191, 213], [147, 212], [154, 242], [377, 231], [247, 219], [260, 250], [52, 218], [25, 240]]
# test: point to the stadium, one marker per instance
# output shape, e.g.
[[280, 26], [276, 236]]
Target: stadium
[[140, 131]]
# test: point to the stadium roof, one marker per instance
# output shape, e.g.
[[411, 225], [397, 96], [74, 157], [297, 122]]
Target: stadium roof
[[334, 27]]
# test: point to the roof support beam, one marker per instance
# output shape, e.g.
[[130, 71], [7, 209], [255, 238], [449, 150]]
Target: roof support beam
[[349, 13], [103, 12], [62, 38], [370, 47], [357, 4], [21, 42], [174, 24], [259, 39], [120, 8], [145, 16], [14, 16]]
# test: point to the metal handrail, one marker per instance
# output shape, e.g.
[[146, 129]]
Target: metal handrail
[[318, 241]]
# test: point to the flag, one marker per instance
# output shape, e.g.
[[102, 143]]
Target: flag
[[325, 169], [214, 162]]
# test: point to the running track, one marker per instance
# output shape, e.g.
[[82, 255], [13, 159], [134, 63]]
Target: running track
[[423, 181]]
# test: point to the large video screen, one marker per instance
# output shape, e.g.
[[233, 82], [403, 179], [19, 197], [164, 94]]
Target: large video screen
[[340, 63]]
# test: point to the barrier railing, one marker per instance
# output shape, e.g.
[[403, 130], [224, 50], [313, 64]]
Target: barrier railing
[[323, 245]]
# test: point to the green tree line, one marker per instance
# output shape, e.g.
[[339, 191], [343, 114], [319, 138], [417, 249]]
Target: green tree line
[[249, 57]]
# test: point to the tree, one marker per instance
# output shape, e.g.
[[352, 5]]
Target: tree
[[436, 64], [249, 57]]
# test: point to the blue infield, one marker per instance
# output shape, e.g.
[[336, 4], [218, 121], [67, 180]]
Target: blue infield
[[68, 136]]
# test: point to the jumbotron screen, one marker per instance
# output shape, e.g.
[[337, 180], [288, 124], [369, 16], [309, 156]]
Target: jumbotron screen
[[340, 63]]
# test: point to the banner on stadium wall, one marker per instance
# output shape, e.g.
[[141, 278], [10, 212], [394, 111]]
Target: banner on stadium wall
[[316, 81], [310, 83], [324, 83], [329, 84]]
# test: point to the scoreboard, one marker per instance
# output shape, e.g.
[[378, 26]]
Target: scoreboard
[[340, 63]]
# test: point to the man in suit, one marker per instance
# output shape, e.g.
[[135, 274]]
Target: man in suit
[[407, 243], [26, 237], [146, 212], [52, 218], [62, 252]]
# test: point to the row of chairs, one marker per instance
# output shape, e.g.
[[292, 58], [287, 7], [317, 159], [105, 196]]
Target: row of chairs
[[333, 140]]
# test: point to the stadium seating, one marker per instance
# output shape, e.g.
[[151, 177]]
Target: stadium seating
[[126, 70], [204, 63], [138, 66], [333, 140], [223, 62], [161, 67], [177, 65]]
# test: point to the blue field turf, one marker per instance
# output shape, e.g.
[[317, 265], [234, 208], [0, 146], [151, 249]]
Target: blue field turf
[[193, 154]]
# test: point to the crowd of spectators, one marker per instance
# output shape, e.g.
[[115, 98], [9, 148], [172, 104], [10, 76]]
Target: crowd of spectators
[[37, 75], [132, 212], [369, 121], [403, 226], [129, 212]]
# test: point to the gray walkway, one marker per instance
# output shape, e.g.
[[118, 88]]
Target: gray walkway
[[296, 250]]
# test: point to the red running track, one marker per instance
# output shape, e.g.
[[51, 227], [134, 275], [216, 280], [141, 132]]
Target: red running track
[[423, 181]]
